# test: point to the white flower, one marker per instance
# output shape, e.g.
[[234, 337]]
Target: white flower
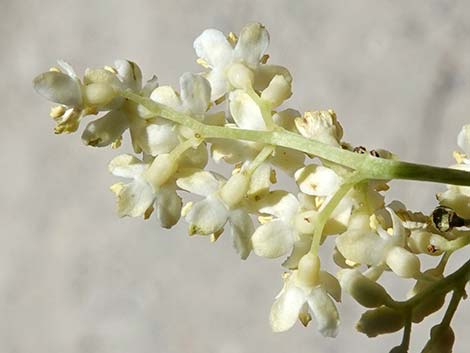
[[219, 55], [140, 196], [303, 293], [219, 206], [247, 115], [276, 237], [363, 245], [321, 126]]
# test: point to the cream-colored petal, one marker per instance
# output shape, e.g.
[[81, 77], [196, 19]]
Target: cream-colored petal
[[265, 73], [287, 159], [301, 247], [286, 308], [156, 137], [280, 204], [168, 206], [166, 95], [207, 216], [273, 239], [59, 88], [325, 312], [322, 126], [195, 93], [129, 73], [252, 44], [331, 285], [233, 151], [317, 180], [194, 157], [105, 130], [260, 180], [218, 82], [241, 227], [213, 47], [245, 112], [277, 91], [200, 182], [134, 199], [127, 166]]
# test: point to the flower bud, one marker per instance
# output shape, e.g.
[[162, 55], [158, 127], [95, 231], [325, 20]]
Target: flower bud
[[240, 76], [426, 306], [98, 94], [277, 92], [308, 270], [380, 321], [365, 291], [161, 169], [441, 341], [403, 263], [235, 189]]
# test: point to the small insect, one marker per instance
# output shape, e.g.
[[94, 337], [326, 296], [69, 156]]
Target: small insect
[[445, 219], [363, 150]]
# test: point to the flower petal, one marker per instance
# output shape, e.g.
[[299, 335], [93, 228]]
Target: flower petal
[[301, 247], [280, 204], [286, 308], [325, 312], [242, 229], [168, 205], [213, 47], [195, 93], [218, 82], [207, 216], [245, 111], [156, 137], [317, 180], [126, 166], [105, 130], [59, 88], [273, 239], [200, 182], [129, 73], [288, 159], [252, 44], [133, 199], [166, 95]]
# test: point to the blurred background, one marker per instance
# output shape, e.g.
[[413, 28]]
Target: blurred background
[[75, 278]]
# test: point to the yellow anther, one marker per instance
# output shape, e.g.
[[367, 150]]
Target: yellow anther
[[459, 157], [216, 235], [57, 111], [203, 63], [264, 59], [148, 212], [186, 208], [232, 38], [273, 177], [264, 219], [219, 100], [111, 69], [54, 69], [117, 143]]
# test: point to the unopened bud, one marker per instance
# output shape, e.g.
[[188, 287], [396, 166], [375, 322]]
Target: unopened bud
[[380, 321], [403, 263], [308, 270], [441, 341], [365, 291], [235, 189], [98, 94], [240, 76], [161, 169]]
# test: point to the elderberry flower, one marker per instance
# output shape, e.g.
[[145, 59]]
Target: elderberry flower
[[304, 291], [237, 56], [221, 204]]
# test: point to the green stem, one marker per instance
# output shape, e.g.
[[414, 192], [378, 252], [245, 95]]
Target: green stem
[[368, 166], [326, 212], [445, 285]]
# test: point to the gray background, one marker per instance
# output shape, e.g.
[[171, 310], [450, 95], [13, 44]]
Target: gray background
[[75, 278]]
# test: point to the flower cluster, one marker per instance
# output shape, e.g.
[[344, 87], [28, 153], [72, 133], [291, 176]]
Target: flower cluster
[[233, 112]]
